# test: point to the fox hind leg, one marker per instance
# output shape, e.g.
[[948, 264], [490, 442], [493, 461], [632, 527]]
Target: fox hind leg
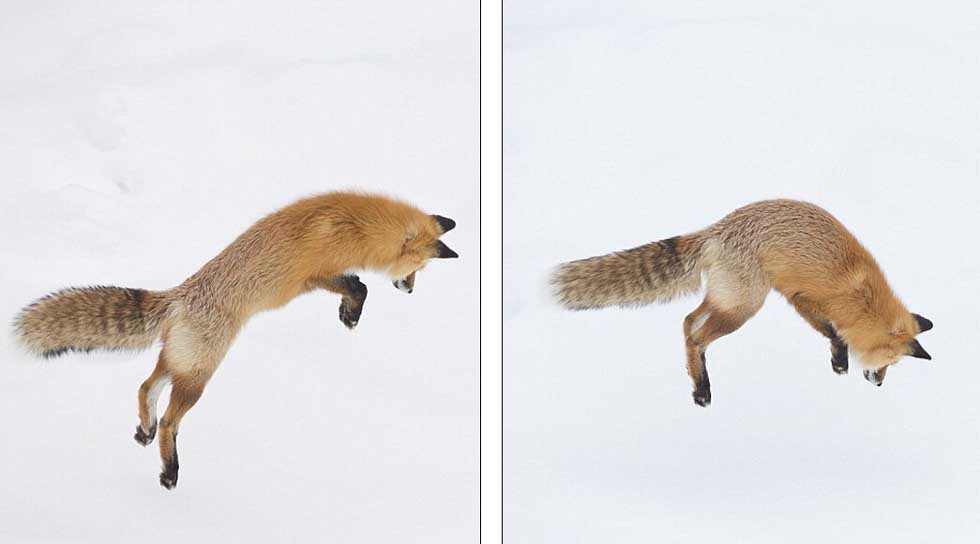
[[149, 392], [193, 349], [187, 389], [696, 368], [723, 311], [706, 327]]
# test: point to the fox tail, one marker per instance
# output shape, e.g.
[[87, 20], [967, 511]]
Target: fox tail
[[89, 318], [651, 273]]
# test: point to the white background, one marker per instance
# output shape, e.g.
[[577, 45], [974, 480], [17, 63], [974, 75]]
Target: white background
[[627, 122], [491, 270], [137, 140]]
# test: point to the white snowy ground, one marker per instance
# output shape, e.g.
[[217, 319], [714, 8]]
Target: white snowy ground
[[635, 121], [136, 140]]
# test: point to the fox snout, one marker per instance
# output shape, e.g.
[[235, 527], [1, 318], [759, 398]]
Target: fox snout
[[875, 376], [406, 284], [402, 285]]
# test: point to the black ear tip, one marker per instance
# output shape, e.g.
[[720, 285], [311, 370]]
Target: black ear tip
[[924, 324], [444, 252], [445, 223], [919, 352]]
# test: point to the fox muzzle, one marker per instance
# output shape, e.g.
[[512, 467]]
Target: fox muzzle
[[402, 285], [875, 376]]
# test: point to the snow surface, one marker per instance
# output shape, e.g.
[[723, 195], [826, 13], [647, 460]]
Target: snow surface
[[632, 121], [137, 139]]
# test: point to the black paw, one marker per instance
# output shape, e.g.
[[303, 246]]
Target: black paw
[[167, 481], [702, 397], [838, 356], [168, 478], [142, 438], [838, 359], [350, 313]]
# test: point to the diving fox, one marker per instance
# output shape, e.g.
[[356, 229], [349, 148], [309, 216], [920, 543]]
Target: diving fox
[[319, 242], [796, 248]]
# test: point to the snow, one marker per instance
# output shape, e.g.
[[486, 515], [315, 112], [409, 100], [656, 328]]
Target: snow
[[632, 121], [137, 140]]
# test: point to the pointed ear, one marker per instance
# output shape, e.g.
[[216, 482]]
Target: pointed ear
[[918, 352], [443, 251], [445, 223], [924, 324]]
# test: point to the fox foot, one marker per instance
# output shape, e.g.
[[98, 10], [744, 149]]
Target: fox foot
[[702, 386], [353, 301], [838, 356], [839, 366], [702, 396], [168, 478], [838, 359], [350, 313], [143, 438]]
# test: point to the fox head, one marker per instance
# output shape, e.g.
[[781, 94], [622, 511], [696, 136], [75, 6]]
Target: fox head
[[420, 246], [886, 349]]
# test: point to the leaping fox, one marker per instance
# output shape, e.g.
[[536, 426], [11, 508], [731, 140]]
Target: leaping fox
[[315, 243], [796, 248]]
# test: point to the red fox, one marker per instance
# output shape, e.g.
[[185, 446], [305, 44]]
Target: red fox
[[316, 243], [796, 248]]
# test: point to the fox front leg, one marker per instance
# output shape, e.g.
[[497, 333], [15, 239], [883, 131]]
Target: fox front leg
[[838, 355], [352, 302], [352, 293], [813, 315]]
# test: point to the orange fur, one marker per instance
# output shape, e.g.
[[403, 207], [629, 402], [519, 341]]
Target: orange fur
[[316, 243], [795, 248]]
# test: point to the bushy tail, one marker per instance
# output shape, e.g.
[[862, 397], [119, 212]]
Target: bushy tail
[[654, 272], [87, 318]]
